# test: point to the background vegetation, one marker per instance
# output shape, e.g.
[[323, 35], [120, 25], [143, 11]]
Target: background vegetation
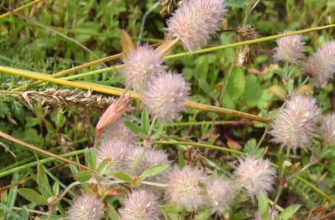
[[26, 42]]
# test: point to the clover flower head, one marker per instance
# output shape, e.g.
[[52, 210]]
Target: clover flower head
[[140, 205], [255, 175], [118, 131], [115, 152], [140, 66], [195, 21], [186, 187], [166, 96], [321, 65], [86, 207], [296, 122], [327, 129], [289, 49], [219, 194]]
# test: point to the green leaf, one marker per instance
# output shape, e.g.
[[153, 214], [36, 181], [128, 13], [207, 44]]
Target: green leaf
[[253, 91], [83, 176], [289, 212], [135, 128], [43, 182], [206, 88], [112, 213], [203, 215], [145, 122], [123, 176], [235, 84], [33, 196], [237, 3], [153, 171], [263, 206], [90, 158], [55, 188]]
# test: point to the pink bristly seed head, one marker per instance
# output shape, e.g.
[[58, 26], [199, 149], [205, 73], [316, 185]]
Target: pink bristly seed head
[[86, 207]]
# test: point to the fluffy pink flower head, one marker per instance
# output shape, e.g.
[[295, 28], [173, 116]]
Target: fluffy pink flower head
[[195, 21], [140, 205], [118, 131], [115, 152], [296, 122], [321, 65], [140, 66], [219, 194], [166, 96], [290, 49], [186, 187], [255, 175], [86, 207], [327, 129]]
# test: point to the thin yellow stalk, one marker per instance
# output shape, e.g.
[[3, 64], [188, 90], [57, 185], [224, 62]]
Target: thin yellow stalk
[[20, 8], [76, 68], [118, 92], [42, 151], [242, 43]]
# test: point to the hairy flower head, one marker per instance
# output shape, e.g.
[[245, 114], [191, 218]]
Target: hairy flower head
[[195, 21], [219, 194], [296, 122], [166, 96], [86, 207], [255, 175], [327, 129], [289, 49], [140, 205], [118, 131], [140, 66], [321, 65], [186, 187], [115, 152]]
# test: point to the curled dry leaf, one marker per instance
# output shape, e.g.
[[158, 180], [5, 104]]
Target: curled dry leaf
[[112, 114], [165, 48], [127, 43]]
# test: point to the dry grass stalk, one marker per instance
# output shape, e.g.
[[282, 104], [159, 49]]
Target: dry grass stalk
[[168, 6]]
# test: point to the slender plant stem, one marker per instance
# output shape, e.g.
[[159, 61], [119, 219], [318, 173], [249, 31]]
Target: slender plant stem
[[248, 42], [119, 92], [112, 68], [42, 151], [20, 8], [200, 51], [29, 210], [43, 161], [208, 146], [193, 123]]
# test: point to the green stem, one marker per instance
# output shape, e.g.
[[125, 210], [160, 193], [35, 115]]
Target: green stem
[[43, 161], [191, 123], [209, 146], [248, 42]]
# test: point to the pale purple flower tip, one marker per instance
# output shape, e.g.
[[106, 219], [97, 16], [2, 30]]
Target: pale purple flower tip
[[327, 129], [118, 131], [255, 175], [289, 49], [186, 187], [195, 21], [321, 65], [143, 159], [219, 194], [296, 122], [115, 152], [86, 207], [140, 205], [165, 96], [140, 66]]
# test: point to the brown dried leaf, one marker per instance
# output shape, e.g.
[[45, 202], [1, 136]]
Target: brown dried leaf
[[127, 43]]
